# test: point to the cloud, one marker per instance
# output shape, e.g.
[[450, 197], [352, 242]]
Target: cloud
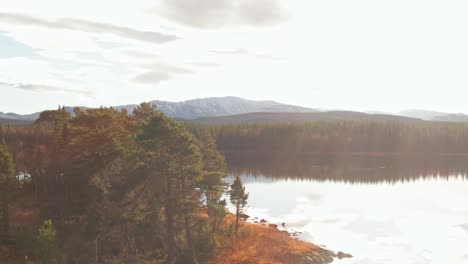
[[222, 13], [206, 64], [246, 53], [152, 77], [464, 227], [167, 68], [89, 27], [159, 72], [232, 52], [140, 54], [46, 88]]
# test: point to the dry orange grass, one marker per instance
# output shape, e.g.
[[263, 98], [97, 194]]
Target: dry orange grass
[[258, 244], [24, 216]]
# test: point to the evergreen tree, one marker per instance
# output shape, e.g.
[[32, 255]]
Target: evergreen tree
[[7, 182], [212, 184], [238, 199], [175, 163], [47, 248]]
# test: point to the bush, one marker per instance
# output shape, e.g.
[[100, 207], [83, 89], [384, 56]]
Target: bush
[[46, 248]]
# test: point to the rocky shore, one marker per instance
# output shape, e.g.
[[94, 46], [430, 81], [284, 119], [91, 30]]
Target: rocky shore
[[320, 255]]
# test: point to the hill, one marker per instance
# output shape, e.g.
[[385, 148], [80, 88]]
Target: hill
[[421, 114], [239, 110], [451, 118], [14, 122], [219, 106], [435, 116], [251, 118], [197, 108]]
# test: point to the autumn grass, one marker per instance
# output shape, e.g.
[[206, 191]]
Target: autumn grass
[[259, 244]]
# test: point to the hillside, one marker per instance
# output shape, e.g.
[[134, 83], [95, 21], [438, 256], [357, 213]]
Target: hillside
[[238, 110], [421, 114], [435, 116], [219, 106], [299, 117], [451, 118], [196, 108], [15, 122]]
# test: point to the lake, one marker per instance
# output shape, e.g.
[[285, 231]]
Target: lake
[[406, 219]]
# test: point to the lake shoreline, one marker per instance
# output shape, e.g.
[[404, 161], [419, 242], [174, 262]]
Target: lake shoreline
[[265, 243]]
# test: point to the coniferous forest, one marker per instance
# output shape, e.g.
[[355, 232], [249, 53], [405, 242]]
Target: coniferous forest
[[106, 186], [109, 186], [338, 137]]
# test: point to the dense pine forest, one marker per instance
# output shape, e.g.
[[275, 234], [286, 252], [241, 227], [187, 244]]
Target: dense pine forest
[[106, 186], [338, 137]]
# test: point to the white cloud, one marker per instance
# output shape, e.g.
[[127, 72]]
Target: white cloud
[[46, 88], [87, 26], [359, 55], [221, 13]]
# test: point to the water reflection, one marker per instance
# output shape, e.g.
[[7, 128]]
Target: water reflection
[[352, 169], [382, 210]]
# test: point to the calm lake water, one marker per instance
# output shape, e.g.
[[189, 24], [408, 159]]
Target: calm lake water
[[415, 219]]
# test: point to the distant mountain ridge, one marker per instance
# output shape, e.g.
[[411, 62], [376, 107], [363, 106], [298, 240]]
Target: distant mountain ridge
[[451, 118], [193, 109], [19, 117], [263, 117], [219, 106], [434, 115], [216, 107], [422, 114]]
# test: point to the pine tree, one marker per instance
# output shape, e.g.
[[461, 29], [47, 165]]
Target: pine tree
[[212, 184], [7, 182], [171, 153], [47, 248], [238, 199]]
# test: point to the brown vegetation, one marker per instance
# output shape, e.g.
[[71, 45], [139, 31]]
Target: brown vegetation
[[263, 244]]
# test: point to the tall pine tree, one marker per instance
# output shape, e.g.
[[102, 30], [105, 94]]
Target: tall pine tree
[[7, 182], [239, 199]]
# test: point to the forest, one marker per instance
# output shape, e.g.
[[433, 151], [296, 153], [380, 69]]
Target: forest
[[107, 186], [342, 137]]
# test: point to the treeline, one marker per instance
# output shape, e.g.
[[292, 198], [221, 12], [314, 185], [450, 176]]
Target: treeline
[[328, 137], [118, 187]]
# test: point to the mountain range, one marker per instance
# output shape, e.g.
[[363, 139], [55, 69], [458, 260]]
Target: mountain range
[[239, 110], [219, 106]]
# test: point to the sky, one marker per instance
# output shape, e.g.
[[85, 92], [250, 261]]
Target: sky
[[335, 54]]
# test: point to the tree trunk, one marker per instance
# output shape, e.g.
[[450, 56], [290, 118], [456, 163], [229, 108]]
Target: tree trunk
[[213, 232], [188, 231], [171, 245], [97, 251], [36, 188], [4, 207], [237, 218]]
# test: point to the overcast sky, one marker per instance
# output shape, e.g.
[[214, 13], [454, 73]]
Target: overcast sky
[[333, 54]]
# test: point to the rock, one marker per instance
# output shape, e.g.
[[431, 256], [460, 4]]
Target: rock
[[342, 255], [244, 217], [321, 256]]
